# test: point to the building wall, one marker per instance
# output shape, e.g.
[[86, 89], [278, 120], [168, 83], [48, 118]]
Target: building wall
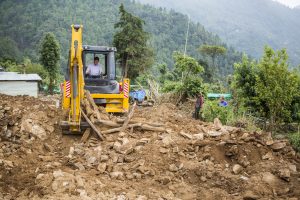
[[19, 88]]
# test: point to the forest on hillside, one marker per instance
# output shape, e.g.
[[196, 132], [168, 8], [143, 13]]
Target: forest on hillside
[[247, 25], [21, 33]]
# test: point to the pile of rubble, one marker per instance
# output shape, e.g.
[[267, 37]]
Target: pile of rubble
[[187, 159]]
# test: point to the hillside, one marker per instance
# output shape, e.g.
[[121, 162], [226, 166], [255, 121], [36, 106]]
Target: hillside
[[248, 25], [168, 28]]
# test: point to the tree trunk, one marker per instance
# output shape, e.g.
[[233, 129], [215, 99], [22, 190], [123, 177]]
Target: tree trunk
[[50, 85], [126, 68]]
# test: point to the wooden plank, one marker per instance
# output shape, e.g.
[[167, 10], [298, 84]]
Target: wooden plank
[[86, 135]]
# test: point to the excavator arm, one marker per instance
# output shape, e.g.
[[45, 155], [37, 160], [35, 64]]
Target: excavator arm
[[74, 86]]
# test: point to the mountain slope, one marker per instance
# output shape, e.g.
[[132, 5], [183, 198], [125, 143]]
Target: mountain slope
[[26, 21], [248, 25]]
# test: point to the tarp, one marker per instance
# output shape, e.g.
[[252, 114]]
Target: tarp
[[218, 95]]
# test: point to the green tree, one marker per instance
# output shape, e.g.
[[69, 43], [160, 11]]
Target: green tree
[[132, 43], [213, 51], [244, 82], [165, 73], [276, 85], [9, 50], [187, 81], [186, 66], [267, 88], [49, 57]]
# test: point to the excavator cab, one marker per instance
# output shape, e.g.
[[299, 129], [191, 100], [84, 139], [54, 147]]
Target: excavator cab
[[106, 82]]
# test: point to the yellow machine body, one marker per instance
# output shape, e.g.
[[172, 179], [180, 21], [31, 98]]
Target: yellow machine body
[[73, 87]]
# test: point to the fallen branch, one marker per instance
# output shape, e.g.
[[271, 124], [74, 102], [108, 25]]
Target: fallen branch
[[92, 103], [92, 125], [137, 125], [126, 122], [152, 128], [136, 121], [114, 130], [107, 123]]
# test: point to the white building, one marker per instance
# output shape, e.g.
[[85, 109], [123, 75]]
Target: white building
[[12, 83]]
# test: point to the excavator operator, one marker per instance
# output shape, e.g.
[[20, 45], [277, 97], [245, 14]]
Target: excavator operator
[[94, 70]]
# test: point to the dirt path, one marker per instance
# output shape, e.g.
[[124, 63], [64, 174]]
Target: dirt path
[[190, 160]]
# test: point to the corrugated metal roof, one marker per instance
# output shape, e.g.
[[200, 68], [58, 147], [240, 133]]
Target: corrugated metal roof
[[14, 76]]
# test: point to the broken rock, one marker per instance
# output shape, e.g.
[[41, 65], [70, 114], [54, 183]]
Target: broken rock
[[102, 167], [186, 135], [217, 124], [249, 195], [237, 169], [285, 174], [117, 175], [278, 146]]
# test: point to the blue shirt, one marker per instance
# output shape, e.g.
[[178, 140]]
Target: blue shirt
[[223, 104]]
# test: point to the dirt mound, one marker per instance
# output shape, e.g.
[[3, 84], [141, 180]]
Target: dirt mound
[[190, 160]]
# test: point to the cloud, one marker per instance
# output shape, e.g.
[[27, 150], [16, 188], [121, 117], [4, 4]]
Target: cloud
[[290, 3]]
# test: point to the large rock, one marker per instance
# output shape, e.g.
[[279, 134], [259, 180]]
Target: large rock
[[217, 124], [63, 182], [278, 146], [29, 126]]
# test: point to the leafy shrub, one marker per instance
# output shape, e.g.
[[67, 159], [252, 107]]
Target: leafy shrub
[[294, 139], [212, 110]]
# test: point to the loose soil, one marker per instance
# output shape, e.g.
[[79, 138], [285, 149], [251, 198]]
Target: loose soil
[[190, 160]]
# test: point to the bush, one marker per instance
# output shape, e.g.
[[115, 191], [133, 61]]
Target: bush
[[294, 139], [212, 110]]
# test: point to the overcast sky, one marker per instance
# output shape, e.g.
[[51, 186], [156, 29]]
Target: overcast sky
[[290, 3]]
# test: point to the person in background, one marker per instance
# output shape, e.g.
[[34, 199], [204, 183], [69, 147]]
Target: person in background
[[94, 70], [198, 105], [222, 102]]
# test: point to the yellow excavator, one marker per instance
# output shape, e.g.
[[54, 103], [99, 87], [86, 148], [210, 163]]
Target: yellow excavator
[[104, 89]]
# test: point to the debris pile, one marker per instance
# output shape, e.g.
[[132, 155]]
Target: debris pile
[[183, 159]]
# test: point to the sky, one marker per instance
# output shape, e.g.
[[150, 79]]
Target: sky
[[290, 3]]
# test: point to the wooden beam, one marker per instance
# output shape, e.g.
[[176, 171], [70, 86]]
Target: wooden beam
[[126, 122], [92, 125]]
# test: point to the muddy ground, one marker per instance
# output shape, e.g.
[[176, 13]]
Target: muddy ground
[[189, 160]]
